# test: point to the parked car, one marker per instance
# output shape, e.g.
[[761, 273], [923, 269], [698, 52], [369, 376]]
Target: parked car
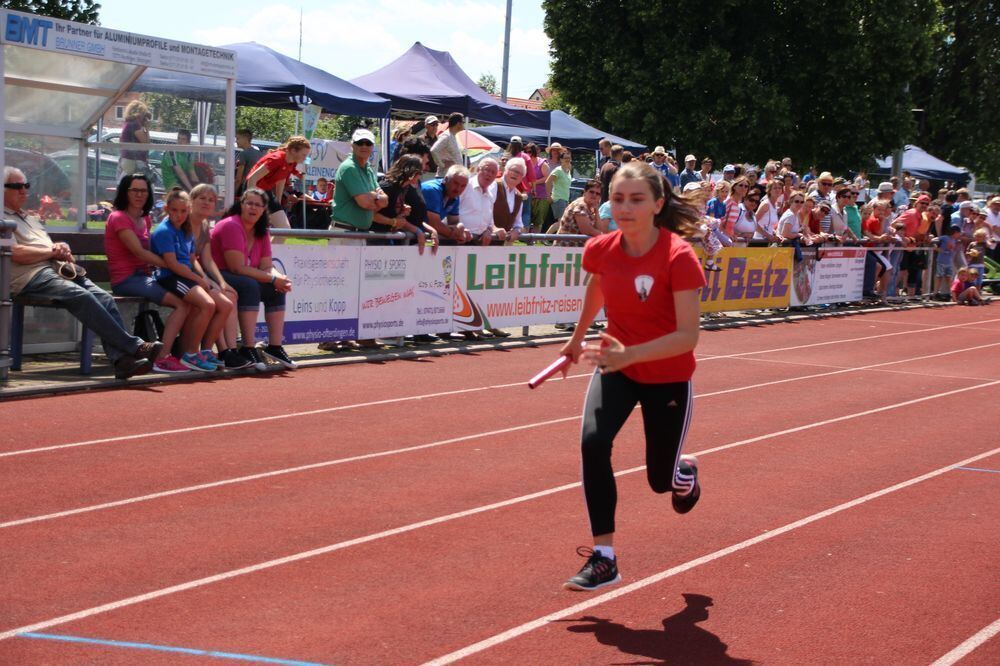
[[43, 173]]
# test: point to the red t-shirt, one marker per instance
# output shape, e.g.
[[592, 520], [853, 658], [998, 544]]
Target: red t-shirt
[[872, 225], [639, 297], [121, 262], [912, 219], [278, 169]]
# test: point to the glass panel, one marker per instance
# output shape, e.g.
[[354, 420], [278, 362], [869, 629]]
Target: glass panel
[[25, 63], [48, 107], [52, 186]]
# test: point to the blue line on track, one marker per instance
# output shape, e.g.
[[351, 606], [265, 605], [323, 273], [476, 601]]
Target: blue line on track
[[166, 648], [979, 469]]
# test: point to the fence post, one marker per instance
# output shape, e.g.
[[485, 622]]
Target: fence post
[[6, 304]]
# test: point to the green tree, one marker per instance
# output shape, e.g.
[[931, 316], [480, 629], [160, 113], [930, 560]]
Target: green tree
[[959, 94], [745, 81], [488, 82], [170, 113], [81, 11]]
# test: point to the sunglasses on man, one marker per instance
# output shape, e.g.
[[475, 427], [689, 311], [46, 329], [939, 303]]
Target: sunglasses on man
[[17, 186]]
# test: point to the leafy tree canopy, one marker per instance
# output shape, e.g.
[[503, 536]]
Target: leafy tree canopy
[[81, 11]]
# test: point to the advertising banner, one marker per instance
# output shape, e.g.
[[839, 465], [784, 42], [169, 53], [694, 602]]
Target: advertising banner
[[326, 156], [323, 303], [518, 286], [404, 292], [837, 277], [749, 279], [59, 36]]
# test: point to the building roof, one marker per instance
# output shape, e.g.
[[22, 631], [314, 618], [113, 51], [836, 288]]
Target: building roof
[[521, 103]]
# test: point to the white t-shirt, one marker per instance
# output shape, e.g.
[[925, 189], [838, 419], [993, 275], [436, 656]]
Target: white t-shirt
[[789, 223], [475, 206], [745, 222], [770, 220]]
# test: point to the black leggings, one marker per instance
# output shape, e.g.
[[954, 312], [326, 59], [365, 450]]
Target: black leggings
[[666, 413]]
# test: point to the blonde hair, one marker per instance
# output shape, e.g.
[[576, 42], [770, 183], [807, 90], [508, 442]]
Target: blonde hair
[[201, 189], [178, 194], [722, 189], [294, 143], [135, 109], [980, 234]]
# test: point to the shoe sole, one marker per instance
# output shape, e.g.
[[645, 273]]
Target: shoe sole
[[576, 587], [168, 372], [192, 366], [288, 365]]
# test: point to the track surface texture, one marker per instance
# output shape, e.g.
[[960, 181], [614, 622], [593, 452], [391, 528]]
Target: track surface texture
[[427, 511]]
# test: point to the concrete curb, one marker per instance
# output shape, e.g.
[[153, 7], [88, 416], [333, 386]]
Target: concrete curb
[[146, 381]]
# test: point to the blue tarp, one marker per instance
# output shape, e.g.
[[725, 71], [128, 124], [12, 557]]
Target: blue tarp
[[267, 78], [567, 130], [922, 164], [427, 81]]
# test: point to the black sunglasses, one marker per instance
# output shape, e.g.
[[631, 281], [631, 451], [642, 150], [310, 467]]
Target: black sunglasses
[[17, 186], [363, 142]]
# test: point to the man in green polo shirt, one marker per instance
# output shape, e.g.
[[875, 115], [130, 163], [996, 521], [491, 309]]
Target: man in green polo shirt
[[357, 195]]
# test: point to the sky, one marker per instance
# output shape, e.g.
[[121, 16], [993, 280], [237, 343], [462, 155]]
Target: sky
[[347, 41]]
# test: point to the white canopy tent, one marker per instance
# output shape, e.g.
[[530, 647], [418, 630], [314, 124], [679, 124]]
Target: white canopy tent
[[61, 77]]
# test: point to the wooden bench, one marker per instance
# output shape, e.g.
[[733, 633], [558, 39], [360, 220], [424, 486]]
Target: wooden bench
[[88, 248]]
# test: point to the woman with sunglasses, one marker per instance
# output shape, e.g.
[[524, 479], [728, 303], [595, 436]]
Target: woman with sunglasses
[[766, 219], [580, 217], [746, 220], [648, 278], [130, 261], [740, 188]]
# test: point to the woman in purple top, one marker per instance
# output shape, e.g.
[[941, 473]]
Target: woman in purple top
[[241, 247], [540, 201]]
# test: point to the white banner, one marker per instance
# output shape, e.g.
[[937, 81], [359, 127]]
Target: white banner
[[518, 286], [323, 303], [837, 277], [80, 39], [326, 156], [404, 292]]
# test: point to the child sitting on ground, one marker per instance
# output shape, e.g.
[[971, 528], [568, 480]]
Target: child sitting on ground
[[963, 289]]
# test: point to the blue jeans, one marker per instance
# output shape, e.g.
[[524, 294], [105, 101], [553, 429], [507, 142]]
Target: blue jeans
[[94, 307]]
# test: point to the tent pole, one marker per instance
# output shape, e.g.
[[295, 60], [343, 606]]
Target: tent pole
[[230, 134]]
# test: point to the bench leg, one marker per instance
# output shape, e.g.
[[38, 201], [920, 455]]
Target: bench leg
[[86, 350], [16, 336]]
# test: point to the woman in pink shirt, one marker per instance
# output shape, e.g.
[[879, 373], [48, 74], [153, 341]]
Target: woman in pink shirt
[[126, 244], [538, 172]]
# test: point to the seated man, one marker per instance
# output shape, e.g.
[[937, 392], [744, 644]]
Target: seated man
[[442, 198], [34, 272], [476, 205]]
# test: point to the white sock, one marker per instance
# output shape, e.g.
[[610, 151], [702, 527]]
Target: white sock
[[605, 551]]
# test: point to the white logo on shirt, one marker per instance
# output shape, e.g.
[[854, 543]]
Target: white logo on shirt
[[643, 285]]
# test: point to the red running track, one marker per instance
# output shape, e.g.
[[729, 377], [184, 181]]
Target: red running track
[[836, 525]]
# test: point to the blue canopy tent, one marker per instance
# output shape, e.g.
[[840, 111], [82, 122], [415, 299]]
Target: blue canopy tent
[[922, 164], [423, 80], [571, 133], [267, 78]]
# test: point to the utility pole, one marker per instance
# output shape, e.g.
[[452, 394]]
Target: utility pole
[[506, 55]]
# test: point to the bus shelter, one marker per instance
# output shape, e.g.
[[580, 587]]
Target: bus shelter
[[61, 78]]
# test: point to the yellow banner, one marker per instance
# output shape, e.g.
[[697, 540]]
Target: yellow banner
[[751, 278]]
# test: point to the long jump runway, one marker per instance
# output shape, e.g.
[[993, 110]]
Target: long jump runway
[[428, 511]]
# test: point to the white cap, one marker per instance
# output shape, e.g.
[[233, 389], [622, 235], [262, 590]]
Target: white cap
[[430, 120], [694, 185], [690, 158], [515, 138], [361, 135]]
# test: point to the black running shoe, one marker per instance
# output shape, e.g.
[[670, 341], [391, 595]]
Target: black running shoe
[[277, 353], [596, 573], [687, 468], [149, 350], [253, 355], [235, 360]]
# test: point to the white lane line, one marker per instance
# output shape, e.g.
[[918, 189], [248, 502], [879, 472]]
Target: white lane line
[[970, 644], [867, 337], [419, 447], [276, 417], [522, 629], [388, 401], [201, 582]]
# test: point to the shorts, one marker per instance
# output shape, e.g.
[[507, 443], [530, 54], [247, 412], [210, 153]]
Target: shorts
[[142, 286], [250, 293], [944, 269], [176, 284]]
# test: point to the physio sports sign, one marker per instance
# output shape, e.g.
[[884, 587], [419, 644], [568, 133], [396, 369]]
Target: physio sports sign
[[79, 39]]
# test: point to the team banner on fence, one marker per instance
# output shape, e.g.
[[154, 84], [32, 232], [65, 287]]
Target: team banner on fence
[[404, 292], [323, 303], [518, 286], [750, 279], [838, 276]]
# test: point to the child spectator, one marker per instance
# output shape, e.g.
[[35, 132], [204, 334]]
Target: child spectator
[[173, 241], [976, 253], [963, 289], [947, 244]]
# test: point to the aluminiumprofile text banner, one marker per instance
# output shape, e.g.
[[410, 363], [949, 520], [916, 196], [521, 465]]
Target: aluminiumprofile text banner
[[347, 292]]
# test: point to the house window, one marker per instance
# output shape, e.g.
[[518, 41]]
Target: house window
[[119, 112]]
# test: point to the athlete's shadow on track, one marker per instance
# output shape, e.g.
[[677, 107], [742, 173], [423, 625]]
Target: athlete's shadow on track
[[681, 642]]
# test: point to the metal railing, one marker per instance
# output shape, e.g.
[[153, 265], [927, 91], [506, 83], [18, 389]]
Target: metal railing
[[6, 303]]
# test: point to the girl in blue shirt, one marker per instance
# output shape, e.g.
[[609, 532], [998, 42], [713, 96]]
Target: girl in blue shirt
[[172, 240]]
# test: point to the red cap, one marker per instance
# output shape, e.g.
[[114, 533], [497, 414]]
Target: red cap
[[923, 198]]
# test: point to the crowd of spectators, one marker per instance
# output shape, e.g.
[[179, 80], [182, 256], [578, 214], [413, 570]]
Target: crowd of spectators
[[214, 277]]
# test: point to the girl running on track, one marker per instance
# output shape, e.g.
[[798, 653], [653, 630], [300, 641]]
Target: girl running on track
[[649, 280]]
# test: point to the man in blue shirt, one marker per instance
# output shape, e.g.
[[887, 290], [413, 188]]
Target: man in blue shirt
[[442, 198], [689, 175]]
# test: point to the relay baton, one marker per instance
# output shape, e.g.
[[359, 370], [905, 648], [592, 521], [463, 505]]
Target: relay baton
[[559, 365]]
